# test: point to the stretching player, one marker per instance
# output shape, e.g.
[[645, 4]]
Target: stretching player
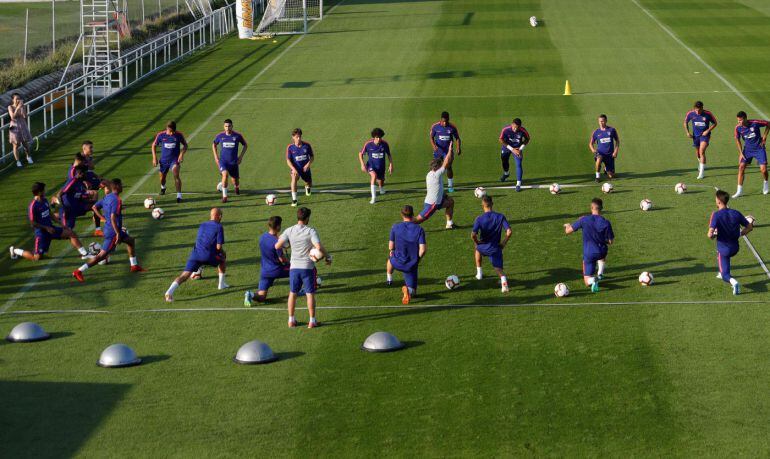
[[703, 122], [435, 198], [229, 160], [299, 157], [604, 144], [75, 198], [486, 235], [302, 273], [207, 251], [92, 180], [39, 212], [597, 237], [173, 147], [444, 138], [273, 262], [513, 138], [407, 247], [725, 226], [376, 150], [753, 147], [110, 209]]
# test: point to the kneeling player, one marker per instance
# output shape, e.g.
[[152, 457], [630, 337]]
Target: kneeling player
[[207, 251], [273, 262], [753, 148], [40, 219], [299, 157], [407, 247], [604, 144], [597, 237], [486, 235], [376, 150], [725, 226], [228, 160]]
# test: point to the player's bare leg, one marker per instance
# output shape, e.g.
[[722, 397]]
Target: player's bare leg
[[701, 152], [763, 169], [389, 272], [311, 310], [308, 188], [741, 177], [450, 176], [163, 182], [221, 269], [450, 210], [479, 271], [177, 182], [291, 304], [373, 186], [223, 184], [503, 280], [236, 184], [598, 168], [131, 249], [181, 279], [294, 179]]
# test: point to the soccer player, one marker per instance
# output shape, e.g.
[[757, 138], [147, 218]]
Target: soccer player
[[376, 150], [597, 237], [75, 197], [302, 273], [604, 144], [513, 138], [207, 251], [435, 198], [727, 226], [92, 180], [753, 147], [444, 138], [274, 263], [173, 147], [703, 122], [228, 159], [407, 247], [39, 212], [299, 157], [486, 235], [110, 209]]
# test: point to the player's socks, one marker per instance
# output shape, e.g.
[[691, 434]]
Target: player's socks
[[237, 189], [504, 284], [307, 191], [294, 196], [83, 268], [389, 278], [451, 183], [222, 284], [313, 321], [18, 164], [450, 224], [518, 185], [374, 194], [738, 191], [479, 274], [382, 190], [505, 175], [172, 289], [701, 170], [765, 188], [224, 192], [600, 268], [163, 189], [735, 285], [179, 197], [598, 175], [16, 253], [133, 261], [82, 251]]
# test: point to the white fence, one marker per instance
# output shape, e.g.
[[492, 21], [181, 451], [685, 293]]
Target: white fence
[[62, 104]]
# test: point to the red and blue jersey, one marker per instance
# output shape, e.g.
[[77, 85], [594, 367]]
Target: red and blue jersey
[[74, 194], [228, 153], [406, 238], [170, 146], [751, 134], [513, 138], [376, 153], [300, 155], [210, 234], [700, 122], [489, 228], [443, 136], [273, 261], [40, 212], [605, 140], [111, 205], [728, 223], [597, 232]]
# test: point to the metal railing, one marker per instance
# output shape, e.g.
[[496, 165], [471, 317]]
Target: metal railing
[[61, 105]]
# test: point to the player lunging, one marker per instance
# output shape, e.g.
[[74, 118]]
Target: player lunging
[[75, 198], [110, 209], [435, 198], [173, 147], [376, 150], [487, 237], [273, 262], [444, 138], [208, 250], [749, 131], [513, 138], [604, 144], [93, 181], [703, 122], [299, 157], [597, 237], [227, 159], [406, 247], [39, 213], [727, 226]]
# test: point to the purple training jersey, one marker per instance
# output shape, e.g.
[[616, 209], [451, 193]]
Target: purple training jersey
[[407, 237], [111, 205], [228, 153], [376, 154], [40, 213], [443, 136], [513, 138], [489, 227], [272, 260], [597, 232], [210, 234], [728, 223], [170, 146], [299, 155], [751, 135], [700, 122], [605, 140]]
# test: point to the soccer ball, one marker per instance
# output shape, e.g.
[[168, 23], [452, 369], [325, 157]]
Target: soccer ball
[[452, 282], [533, 21], [94, 248], [561, 290], [157, 213], [315, 255], [149, 203], [751, 219], [480, 192], [680, 188], [607, 187], [646, 279], [555, 189], [318, 281], [197, 275], [219, 186], [270, 200], [645, 205]]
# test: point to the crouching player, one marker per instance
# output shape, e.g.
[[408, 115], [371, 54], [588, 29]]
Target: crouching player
[[486, 235], [597, 237], [407, 247], [376, 150], [207, 251], [725, 226], [40, 216], [273, 262], [110, 210]]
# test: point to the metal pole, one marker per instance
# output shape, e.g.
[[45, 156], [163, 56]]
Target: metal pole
[[160, 9], [304, 11], [26, 36], [53, 25], [177, 7], [142, 12]]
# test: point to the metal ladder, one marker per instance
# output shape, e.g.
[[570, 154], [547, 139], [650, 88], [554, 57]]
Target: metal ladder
[[101, 45]]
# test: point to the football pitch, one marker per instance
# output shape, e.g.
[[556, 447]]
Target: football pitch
[[678, 368]]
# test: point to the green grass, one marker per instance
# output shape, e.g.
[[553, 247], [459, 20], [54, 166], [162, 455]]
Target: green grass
[[566, 377]]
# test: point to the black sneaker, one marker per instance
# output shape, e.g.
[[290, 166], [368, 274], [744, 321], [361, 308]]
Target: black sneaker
[[162, 191], [598, 180], [178, 200], [504, 177]]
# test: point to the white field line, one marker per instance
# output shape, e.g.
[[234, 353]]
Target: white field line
[[44, 270]]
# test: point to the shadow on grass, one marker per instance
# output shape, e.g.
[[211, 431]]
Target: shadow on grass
[[150, 359]]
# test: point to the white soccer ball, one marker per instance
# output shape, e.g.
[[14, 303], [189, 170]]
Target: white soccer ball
[[680, 188], [555, 188], [197, 275], [751, 219], [533, 21], [149, 203], [480, 192], [315, 255], [452, 282], [270, 200], [94, 248], [645, 205], [561, 290], [219, 186], [157, 213], [646, 279], [607, 187]]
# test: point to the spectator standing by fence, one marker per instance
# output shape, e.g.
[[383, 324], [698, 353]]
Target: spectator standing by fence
[[19, 129]]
